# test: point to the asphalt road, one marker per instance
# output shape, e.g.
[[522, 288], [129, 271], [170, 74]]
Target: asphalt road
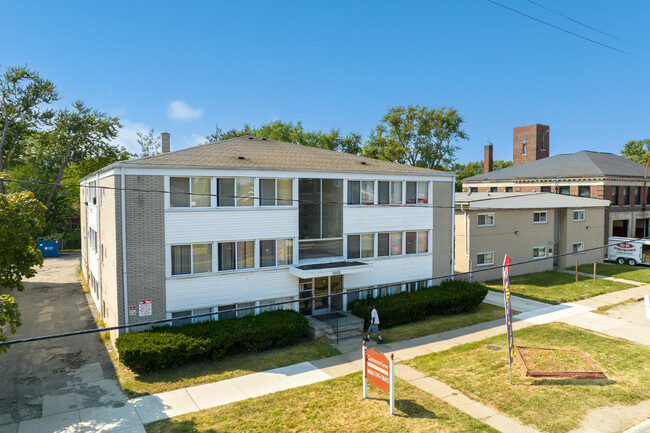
[[53, 376]]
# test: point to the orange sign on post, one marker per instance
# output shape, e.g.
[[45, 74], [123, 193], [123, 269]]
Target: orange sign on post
[[380, 373]]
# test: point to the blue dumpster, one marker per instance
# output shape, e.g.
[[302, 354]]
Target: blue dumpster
[[49, 248]]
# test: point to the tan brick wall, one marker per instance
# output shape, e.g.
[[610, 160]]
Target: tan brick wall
[[443, 193], [590, 232]]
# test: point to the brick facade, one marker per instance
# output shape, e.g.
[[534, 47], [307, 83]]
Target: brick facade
[[488, 159], [530, 143]]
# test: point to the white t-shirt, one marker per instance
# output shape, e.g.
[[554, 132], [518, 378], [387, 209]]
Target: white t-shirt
[[374, 317]]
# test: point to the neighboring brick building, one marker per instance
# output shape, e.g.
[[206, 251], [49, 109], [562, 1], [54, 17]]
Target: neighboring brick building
[[586, 174], [248, 222]]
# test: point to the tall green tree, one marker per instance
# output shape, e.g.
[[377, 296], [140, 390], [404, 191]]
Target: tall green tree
[[419, 136], [150, 144], [22, 93], [21, 217], [637, 150]]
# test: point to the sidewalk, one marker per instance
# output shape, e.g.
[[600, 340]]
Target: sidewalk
[[136, 412]]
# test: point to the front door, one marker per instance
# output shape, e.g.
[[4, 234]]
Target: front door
[[306, 292], [326, 290]]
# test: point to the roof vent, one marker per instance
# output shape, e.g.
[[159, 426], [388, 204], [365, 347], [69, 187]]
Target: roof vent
[[363, 162], [250, 138], [264, 138], [241, 157]]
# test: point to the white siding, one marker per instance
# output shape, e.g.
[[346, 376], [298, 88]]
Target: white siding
[[393, 270], [363, 219], [185, 226], [208, 291]]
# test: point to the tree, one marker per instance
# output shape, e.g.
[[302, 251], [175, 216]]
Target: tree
[[149, 144], [78, 134], [22, 91], [419, 136], [282, 131], [637, 150], [473, 168], [21, 217]]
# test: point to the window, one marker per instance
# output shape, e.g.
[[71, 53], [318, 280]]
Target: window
[[626, 196], [245, 254], [493, 189], [523, 148], [417, 242], [423, 241], [276, 252], [276, 192], [92, 240], [92, 193], [361, 192], [417, 192], [191, 259], [539, 252], [245, 309], [361, 246], [236, 191], [578, 215], [182, 314], [637, 195], [508, 189], [578, 247], [383, 192], [584, 191], [189, 191], [396, 193], [383, 244], [539, 217], [206, 318], [565, 190], [614, 196], [227, 255], [473, 189], [396, 244], [320, 218], [485, 219], [545, 189], [225, 311], [483, 259]]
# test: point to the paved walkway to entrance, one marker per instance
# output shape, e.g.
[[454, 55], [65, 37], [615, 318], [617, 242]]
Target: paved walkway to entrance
[[132, 416]]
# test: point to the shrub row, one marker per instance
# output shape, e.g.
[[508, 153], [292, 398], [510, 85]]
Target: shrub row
[[172, 346], [450, 297]]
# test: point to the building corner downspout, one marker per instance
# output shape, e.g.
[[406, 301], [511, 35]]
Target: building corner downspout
[[453, 225], [466, 246], [124, 262]]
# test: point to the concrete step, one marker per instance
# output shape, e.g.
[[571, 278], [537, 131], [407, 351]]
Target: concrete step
[[346, 335]]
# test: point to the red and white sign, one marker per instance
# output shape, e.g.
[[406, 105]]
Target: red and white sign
[[145, 308], [624, 247], [133, 310], [378, 370]]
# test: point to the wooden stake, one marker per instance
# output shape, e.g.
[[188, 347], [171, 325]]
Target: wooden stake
[[576, 270], [365, 379], [594, 272]]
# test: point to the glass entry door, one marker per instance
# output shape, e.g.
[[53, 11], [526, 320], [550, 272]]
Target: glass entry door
[[329, 288]]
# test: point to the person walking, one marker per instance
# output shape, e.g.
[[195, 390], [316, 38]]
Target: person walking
[[374, 324]]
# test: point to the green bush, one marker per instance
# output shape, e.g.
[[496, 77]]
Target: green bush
[[450, 297], [172, 346]]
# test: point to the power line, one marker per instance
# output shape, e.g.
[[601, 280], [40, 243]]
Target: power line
[[578, 22], [347, 292], [562, 29]]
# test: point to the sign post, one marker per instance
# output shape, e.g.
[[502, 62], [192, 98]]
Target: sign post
[[380, 373], [508, 306]]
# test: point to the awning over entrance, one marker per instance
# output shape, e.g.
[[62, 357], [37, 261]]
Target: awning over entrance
[[327, 269]]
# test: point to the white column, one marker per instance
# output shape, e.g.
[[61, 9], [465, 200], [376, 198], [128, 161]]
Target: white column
[[365, 380]]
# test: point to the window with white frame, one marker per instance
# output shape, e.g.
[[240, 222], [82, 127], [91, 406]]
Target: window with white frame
[[361, 192], [265, 305], [417, 192], [245, 309], [189, 191], [92, 193], [539, 217], [578, 247], [485, 258], [485, 219], [236, 255], [417, 242], [361, 246], [92, 240], [389, 192], [539, 252], [276, 252], [276, 192], [235, 191], [191, 259], [578, 215]]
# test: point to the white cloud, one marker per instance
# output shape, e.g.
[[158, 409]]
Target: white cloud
[[179, 110], [128, 135]]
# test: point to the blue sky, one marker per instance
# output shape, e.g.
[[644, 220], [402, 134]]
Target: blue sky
[[183, 67]]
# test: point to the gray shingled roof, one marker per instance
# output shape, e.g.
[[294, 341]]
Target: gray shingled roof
[[524, 200], [580, 164], [272, 154]]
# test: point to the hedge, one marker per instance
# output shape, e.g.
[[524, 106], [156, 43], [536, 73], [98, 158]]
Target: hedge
[[450, 297], [172, 346]]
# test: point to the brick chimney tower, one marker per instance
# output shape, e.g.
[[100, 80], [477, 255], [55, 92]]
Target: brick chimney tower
[[530, 143], [165, 142], [487, 158]]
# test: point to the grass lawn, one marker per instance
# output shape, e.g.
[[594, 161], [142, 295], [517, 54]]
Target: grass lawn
[[435, 324], [634, 273], [336, 405], [135, 384], [557, 287], [551, 405]]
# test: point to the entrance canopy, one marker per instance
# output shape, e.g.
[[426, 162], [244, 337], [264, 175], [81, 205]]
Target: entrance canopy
[[327, 269]]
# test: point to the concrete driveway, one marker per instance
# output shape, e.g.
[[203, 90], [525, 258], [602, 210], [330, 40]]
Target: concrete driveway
[[55, 376]]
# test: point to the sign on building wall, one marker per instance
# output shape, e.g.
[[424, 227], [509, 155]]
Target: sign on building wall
[[145, 308], [380, 373], [133, 310]]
